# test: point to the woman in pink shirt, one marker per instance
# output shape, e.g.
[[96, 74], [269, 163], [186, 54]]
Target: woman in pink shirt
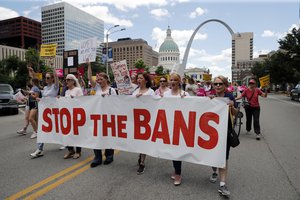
[[251, 94], [163, 87]]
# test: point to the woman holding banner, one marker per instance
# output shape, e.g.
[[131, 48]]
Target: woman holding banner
[[163, 86], [176, 92], [251, 94], [144, 88], [101, 86], [50, 90], [220, 84], [74, 90]]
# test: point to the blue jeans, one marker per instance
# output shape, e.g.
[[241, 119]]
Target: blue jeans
[[40, 146]]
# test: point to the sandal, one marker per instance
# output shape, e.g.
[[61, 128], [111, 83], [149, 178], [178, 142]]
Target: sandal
[[76, 155], [69, 155]]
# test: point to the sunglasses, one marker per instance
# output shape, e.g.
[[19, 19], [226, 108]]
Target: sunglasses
[[68, 79], [163, 81], [218, 84], [48, 77]]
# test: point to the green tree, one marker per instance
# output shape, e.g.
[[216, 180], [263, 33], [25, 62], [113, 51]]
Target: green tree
[[32, 57], [139, 64], [13, 71], [159, 70]]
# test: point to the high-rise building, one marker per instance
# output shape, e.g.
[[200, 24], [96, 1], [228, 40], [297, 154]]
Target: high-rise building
[[242, 50], [67, 25], [20, 32], [169, 55], [132, 50]]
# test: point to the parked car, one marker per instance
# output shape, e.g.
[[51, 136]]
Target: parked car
[[7, 101], [295, 94]]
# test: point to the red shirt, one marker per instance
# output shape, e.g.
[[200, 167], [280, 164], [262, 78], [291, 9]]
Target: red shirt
[[254, 100]]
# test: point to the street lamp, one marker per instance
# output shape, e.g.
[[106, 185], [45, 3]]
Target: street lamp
[[107, 34]]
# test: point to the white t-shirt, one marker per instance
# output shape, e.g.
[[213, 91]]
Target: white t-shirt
[[51, 91], [99, 90], [75, 92], [169, 94], [149, 92], [191, 88]]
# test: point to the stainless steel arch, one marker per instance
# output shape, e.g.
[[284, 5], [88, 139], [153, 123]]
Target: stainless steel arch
[[187, 50]]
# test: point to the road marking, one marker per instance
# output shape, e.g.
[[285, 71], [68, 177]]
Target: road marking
[[57, 183], [49, 179], [53, 177]]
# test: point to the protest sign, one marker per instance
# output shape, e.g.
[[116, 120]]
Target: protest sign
[[87, 50], [122, 77]]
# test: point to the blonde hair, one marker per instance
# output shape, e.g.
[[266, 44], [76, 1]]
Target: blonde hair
[[176, 75], [223, 79]]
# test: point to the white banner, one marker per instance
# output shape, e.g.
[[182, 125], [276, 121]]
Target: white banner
[[87, 50], [191, 129]]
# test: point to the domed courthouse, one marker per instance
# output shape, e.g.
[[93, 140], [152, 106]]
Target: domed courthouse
[[168, 52]]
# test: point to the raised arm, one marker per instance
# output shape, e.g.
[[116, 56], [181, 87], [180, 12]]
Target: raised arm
[[93, 83], [31, 72], [56, 81]]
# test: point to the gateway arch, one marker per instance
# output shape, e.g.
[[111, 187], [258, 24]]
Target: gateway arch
[[187, 50]]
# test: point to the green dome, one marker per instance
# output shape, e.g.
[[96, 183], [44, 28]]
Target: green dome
[[168, 45]]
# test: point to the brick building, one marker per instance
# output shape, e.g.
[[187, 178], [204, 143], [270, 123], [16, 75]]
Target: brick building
[[20, 32]]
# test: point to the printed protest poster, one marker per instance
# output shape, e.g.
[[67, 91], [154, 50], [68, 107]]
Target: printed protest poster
[[87, 50], [264, 81], [122, 77], [48, 50]]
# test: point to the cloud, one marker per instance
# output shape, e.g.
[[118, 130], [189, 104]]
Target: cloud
[[119, 4], [102, 12], [6, 13], [181, 37], [26, 13], [160, 12], [269, 33], [198, 12], [218, 64]]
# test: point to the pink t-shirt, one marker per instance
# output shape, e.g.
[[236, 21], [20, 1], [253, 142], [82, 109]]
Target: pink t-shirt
[[254, 100]]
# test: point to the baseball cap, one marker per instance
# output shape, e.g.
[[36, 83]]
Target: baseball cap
[[252, 81]]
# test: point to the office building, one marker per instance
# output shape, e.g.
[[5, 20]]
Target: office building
[[242, 50], [20, 32], [132, 50], [67, 25]]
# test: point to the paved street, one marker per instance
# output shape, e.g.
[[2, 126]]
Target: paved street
[[258, 170]]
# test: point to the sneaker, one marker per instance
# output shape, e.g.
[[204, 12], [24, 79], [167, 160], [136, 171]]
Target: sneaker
[[69, 154], [76, 155], [223, 190], [33, 135], [22, 132], [177, 179], [37, 153], [213, 178], [258, 136], [141, 169], [62, 147]]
